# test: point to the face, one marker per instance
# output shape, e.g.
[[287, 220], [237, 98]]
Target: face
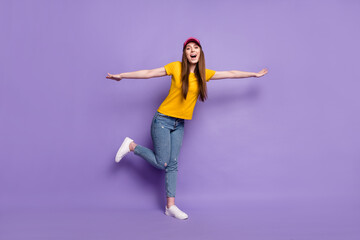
[[192, 51]]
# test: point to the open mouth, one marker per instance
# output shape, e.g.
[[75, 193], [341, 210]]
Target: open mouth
[[193, 56]]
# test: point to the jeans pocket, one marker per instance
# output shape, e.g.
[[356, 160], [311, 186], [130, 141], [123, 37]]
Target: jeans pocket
[[159, 119], [161, 115]]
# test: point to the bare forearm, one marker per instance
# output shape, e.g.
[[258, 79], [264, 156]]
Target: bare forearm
[[241, 74], [136, 74], [156, 72]]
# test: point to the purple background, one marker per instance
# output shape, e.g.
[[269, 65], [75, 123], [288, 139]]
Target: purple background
[[275, 157]]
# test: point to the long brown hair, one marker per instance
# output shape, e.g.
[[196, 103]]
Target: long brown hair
[[199, 73]]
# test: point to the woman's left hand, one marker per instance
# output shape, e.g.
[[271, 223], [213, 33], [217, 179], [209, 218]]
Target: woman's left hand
[[261, 73]]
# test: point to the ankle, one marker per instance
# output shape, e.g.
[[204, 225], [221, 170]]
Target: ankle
[[132, 146], [169, 204]]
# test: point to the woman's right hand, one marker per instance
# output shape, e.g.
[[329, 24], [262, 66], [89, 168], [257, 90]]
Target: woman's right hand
[[116, 77]]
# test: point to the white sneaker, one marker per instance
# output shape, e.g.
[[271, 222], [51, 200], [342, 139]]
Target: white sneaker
[[123, 150], [174, 211]]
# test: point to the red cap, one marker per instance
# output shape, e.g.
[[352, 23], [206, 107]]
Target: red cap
[[191, 39]]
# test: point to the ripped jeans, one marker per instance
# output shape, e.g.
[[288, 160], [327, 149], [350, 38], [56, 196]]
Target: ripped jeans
[[167, 135]]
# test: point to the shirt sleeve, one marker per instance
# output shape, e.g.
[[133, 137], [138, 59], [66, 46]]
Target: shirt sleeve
[[209, 74], [170, 68]]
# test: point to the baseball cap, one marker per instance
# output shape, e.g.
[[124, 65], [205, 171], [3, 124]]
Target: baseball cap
[[192, 39]]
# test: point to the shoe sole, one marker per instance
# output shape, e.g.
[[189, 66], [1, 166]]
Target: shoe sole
[[118, 156], [170, 215]]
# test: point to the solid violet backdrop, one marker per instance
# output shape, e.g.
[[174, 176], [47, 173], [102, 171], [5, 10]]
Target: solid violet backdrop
[[290, 138]]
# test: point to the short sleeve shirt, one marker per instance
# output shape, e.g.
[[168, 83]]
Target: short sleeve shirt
[[174, 104]]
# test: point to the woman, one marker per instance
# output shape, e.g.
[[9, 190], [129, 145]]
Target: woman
[[188, 83]]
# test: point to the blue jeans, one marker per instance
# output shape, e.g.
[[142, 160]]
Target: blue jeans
[[167, 134]]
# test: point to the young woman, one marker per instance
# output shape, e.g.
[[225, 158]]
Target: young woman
[[188, 83]]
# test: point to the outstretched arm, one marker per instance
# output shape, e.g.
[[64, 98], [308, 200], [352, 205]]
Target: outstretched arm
[[237, 74], [157, 72]]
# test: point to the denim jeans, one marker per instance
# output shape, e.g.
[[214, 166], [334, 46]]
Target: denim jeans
[[167, 134]]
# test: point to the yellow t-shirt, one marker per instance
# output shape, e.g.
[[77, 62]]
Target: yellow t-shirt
[[174, 104]]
